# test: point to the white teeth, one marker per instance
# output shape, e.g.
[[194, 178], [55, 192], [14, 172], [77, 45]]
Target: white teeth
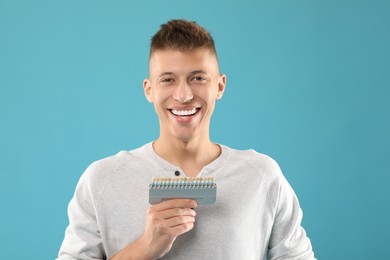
[[183, 112]]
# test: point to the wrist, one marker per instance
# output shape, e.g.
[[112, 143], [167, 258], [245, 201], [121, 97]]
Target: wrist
[[134, 251], [141, 250]]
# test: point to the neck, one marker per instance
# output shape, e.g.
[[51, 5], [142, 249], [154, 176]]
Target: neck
[[191, 156]]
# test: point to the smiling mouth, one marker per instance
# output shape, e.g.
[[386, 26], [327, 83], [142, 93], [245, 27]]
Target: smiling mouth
[[184, 112]]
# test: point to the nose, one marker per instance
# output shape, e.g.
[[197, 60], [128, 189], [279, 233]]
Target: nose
[[183, 93]]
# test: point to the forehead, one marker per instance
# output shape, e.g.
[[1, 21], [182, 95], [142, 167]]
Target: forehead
[[179, 62]]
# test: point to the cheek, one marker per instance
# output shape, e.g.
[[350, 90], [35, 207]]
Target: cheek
[[209, 95], [160, 99]]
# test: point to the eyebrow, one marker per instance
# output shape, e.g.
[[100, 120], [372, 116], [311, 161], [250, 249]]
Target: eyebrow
[[166, 74], [191, 73], [198, 72]]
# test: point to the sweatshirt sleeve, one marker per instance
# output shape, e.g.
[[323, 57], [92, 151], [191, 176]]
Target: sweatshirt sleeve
[[82, 236], [288, 239]]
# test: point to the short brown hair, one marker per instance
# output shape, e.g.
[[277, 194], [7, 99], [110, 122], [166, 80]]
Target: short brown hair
[[182, 35]]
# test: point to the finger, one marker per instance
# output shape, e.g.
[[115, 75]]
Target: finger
[[181, 229], [175, 203], [177, 221], [169, 213]]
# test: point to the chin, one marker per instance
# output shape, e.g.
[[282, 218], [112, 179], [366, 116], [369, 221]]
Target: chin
[[183, 133]]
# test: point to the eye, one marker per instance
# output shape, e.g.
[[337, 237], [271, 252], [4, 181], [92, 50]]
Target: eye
[[198, 79], [167, 80]]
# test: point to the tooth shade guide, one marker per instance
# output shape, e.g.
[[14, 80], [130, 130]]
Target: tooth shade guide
[[202, 189], [182, 180]]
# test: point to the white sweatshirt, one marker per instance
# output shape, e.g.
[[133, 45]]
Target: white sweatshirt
[[256, 213]]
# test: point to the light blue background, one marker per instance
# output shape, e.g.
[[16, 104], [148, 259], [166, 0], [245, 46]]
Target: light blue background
[[308, 84]]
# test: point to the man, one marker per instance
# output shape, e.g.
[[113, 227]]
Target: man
[[256, 213]]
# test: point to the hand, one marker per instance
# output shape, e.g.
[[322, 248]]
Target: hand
[[164, 223]]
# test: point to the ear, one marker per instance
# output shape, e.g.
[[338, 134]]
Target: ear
[[221, 86], [148, 90]]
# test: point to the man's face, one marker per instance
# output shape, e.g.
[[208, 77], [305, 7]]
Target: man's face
[[183, 86]]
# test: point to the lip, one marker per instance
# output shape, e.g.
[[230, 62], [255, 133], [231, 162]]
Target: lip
[[186, 119], [183, 107]]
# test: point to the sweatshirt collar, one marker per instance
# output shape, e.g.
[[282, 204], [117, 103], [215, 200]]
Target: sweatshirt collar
[[206, 170]]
